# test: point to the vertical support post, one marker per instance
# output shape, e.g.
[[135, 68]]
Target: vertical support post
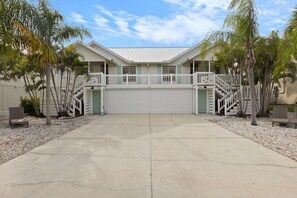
[[225, 107], [209, 66], [193, 100], [193, 67], [195, 78], [73, 108], [196, 96], [127, 79], [102, 101], [85, 102], [105, 101], [213, 100], [104, 71], [170, 78]]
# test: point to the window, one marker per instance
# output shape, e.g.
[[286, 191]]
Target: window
[[167, 71], [129, 70], [96, 67], [201, 66]]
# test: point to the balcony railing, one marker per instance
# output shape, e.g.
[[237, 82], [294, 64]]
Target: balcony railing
[[198, 78]]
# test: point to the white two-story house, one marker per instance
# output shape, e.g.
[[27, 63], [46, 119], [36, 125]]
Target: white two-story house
[[149, 80]]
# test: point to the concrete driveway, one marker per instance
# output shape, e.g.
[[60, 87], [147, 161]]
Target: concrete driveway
[[145, 156]]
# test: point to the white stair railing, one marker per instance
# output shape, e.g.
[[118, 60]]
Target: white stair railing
[[221, 102], [231, 102], [222, 85]]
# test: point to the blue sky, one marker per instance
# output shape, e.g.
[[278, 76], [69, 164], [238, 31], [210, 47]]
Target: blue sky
[[166, 23]]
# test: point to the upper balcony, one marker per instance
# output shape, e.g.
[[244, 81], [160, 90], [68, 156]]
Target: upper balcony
[[152, 80]]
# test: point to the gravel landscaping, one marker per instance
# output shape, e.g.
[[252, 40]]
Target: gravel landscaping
[[280, 139], [19, 140]]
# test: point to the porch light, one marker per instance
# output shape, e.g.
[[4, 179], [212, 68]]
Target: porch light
[[92, 87]]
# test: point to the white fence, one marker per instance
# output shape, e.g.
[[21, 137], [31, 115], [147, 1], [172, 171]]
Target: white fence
[[10, 94]]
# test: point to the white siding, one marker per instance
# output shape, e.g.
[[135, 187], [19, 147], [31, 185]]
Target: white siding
[[89, 55], [185, 69]]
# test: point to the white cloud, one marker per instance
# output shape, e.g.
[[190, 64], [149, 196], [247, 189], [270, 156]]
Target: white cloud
[[266, 12], [189, 22], [183, 28], [78, 18]]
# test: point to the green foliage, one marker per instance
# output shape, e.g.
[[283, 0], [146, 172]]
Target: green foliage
[[28, 105], [286, 62]]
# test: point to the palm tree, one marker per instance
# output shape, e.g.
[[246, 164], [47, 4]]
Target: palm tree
[[48, 29], [288, 48], [241, 21], [266, 51], [69, 64]]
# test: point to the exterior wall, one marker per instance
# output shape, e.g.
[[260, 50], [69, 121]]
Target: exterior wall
[[209, 55], [10, 93], [185, 69], [88, 55]]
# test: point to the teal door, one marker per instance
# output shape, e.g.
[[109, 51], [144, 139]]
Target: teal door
[[96, 102], [202, 103]]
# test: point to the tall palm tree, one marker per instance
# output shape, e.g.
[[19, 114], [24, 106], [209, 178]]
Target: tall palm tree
[[242, 20]]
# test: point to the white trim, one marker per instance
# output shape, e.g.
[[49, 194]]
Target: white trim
[[91, 106], [101, 102]]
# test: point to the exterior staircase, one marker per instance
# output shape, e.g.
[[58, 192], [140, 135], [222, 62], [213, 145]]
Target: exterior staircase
[[228, 103], [76, 106]]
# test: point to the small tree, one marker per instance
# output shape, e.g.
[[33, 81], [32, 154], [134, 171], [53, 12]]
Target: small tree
[[266, 51], [69, 65]]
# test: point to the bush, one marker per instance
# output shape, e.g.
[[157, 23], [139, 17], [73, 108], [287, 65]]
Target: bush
[[28, 105]]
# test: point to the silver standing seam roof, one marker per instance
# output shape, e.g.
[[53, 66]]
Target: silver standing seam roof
[[149, 54]]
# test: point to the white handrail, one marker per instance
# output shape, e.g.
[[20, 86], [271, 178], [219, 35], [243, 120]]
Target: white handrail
[[231, 101]]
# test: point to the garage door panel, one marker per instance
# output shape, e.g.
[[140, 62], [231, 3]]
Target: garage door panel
[[149, 101], [171, 101], [127, 101]]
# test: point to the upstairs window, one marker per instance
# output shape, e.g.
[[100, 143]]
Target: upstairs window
[[97, 67], [201, 66], [129, 70], [167, 70]]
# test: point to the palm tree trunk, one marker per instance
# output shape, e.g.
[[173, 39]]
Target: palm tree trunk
[[56, 92], [48, 94], [250, 65]]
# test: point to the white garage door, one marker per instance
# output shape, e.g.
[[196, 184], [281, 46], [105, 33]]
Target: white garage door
[[149, 101]]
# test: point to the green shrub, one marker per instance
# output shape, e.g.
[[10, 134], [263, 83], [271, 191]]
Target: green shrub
[[28, 105]]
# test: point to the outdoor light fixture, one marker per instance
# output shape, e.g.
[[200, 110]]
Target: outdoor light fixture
[[92, 87]]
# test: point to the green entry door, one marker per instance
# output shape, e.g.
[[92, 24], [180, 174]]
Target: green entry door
[[96, 102], [202, 101]]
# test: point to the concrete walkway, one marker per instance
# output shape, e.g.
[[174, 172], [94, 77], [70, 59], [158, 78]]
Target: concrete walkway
[[145, 156]]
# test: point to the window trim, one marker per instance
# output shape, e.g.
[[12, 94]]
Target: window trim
[[165, 79], [132, 79]]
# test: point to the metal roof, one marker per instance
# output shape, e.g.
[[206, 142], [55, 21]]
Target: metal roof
[[148, 55]]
